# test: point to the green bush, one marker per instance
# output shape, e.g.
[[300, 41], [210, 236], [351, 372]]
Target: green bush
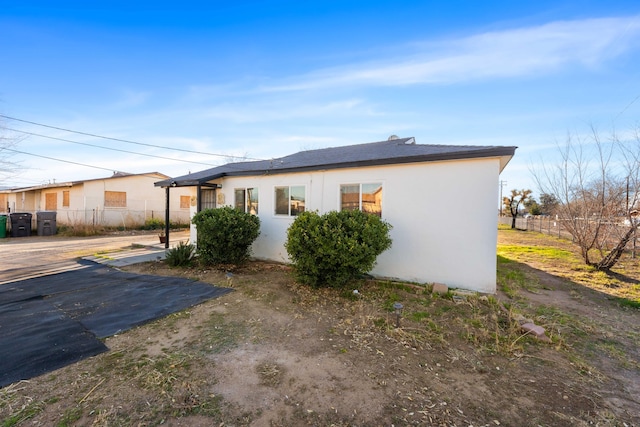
[[180, 255], [153, 224], [225, 235], [332, 249]]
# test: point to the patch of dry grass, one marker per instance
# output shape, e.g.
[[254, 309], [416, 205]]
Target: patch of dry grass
[[562, 258]]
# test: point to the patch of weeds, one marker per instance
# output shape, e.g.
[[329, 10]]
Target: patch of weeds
[[380, 323], [490, 326], [171, 320], [584, 368], [25, 413], [629, 303], [558, 319], [616, 351], [209, 406], [270, 373], [70, 416], [434, 327], [548, 252], [441, 310], [351, 295], [511, 278], [391, 299], [161, 372], [220, 335], [418, 316]]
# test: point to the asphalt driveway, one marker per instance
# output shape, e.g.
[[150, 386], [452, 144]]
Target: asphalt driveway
[[49, 320]]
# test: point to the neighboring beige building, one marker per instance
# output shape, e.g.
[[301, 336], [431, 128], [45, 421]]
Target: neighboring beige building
[[126, 200]]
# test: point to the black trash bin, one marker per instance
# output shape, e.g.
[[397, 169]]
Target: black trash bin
[[20, 224], [46, 223]]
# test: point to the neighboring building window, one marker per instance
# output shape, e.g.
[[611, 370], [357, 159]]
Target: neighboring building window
[[65, 198], [51, 201], [246, 200], [365, 197], [185, 202], [115, 199], [290, 200]]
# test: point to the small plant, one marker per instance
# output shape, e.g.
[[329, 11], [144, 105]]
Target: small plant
[[180, 255], [337, 247], [225, 235]]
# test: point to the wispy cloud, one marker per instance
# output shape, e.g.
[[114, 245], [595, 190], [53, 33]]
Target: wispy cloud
[[131, 98], [496, 54], [273, 110]]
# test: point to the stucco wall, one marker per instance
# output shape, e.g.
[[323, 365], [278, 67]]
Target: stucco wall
[[443, 216], [143, 201]]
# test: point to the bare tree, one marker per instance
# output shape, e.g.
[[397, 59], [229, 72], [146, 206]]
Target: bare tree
[[596, 185], [512, 203]]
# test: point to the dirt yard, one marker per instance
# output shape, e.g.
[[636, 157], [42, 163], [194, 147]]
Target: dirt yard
[[275, 353]]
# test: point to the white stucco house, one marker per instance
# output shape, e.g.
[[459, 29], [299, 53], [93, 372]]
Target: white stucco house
[[440, 199]]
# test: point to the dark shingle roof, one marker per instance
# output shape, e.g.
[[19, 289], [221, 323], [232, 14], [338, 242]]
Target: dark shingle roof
[[395, 151]]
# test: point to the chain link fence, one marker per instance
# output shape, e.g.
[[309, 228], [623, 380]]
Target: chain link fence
[[555, 227]]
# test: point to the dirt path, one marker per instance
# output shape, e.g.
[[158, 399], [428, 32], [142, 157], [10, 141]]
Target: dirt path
[[613, 331], [33, 256]]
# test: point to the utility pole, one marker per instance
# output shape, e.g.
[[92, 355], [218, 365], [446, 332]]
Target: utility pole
[[502, 185]]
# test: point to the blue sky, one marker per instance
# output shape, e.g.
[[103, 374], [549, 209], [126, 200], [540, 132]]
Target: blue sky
[[265, 79]]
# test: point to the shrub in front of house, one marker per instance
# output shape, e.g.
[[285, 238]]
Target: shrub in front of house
[[337, 247], [225, 235], [180, 255]]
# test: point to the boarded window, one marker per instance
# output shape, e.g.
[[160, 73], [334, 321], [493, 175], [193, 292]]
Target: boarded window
[[115, 199], [185, 201], [65, 198], [51, 201], [3, 203]]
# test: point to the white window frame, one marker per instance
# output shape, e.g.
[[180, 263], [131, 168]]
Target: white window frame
[[360, 185], [275, 200], [247, 202]]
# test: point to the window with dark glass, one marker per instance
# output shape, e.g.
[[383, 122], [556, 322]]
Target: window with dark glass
[[246, 200], [290, 200]]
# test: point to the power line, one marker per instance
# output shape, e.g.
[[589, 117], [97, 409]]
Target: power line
[[57, 160], [126, 141], [108, 148], [627, 107]]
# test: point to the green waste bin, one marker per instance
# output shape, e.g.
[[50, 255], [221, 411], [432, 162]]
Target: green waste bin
[[3, 226]]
